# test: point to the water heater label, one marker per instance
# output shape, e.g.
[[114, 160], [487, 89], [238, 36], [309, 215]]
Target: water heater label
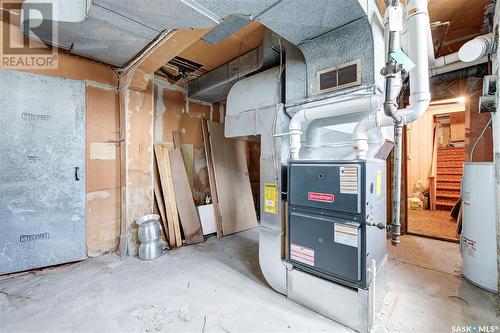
[[349, 179], [302, 254], [322, 197], [346, 234], [469, 247]]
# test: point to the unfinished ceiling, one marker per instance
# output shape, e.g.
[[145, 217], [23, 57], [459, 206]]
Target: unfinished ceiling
[[115, 31], [465, 17], [211, 56]]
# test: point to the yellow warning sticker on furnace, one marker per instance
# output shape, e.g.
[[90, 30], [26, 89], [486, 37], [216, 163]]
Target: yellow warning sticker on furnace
[[379, 182], [270, 198]]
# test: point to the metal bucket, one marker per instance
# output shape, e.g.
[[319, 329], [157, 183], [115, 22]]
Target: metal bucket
[[149, 228], [150, 236]]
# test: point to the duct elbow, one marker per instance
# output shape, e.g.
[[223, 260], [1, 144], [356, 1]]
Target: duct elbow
[[270, 262]]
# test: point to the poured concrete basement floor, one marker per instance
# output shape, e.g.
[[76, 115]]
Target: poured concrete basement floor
[[217, 287]]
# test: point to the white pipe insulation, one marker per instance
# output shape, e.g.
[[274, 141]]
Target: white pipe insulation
[[367, 104]]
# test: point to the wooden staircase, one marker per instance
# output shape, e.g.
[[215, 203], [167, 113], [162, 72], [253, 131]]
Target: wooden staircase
[[449, 175]]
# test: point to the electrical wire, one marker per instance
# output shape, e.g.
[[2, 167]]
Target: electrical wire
[[483, 132], [277, 168]]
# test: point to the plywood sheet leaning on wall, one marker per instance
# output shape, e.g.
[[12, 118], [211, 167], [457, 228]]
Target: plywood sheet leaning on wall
[[184, 198], [211, 178], [233, 183], [173, 228], [187, 151]]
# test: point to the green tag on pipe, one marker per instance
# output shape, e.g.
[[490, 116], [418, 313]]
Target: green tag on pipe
[[403, 59]]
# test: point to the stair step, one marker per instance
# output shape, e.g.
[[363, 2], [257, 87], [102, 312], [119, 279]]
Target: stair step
[[450, 149], [450, 164], [449, 178], [448, 195], [448, 186], [449, 171], [445, 203], [450, 159]]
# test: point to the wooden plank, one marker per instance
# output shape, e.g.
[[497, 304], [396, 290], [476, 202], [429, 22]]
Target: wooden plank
[[433, 171], [161, 208], [187, 150], [211, 178], [171, 197], [168, 193], [177, 139], [184, 198], [233, 182], [432, 191]]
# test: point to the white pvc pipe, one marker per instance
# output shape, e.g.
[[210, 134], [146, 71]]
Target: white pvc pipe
[[445, 60], [360, 134], [366, 104], [417, 22], [474, 50], [457, 66]]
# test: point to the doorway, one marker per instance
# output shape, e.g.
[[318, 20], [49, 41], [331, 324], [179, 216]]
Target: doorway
[[435, 156]]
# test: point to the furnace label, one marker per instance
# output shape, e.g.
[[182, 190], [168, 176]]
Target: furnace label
[[349, 180], [302, 254], [270, 198], [346, 234]]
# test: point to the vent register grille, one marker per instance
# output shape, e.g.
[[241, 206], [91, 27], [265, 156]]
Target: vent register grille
[[339, 77]]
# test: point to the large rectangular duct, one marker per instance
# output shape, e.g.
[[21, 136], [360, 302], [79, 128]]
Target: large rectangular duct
[[215, 85]]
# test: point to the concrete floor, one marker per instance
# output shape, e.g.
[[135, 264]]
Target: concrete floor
[[217, 287]]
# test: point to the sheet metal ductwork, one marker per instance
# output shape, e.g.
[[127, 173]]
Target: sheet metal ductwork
[[216, 84], [115, 31]]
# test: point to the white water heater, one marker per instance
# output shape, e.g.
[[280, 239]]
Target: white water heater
[[478, 238]]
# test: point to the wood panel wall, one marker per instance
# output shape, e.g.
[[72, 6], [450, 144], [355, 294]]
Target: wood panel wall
[[174, 112], [103, 170]]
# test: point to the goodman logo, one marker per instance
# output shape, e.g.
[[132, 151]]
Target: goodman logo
[[322, 197]]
